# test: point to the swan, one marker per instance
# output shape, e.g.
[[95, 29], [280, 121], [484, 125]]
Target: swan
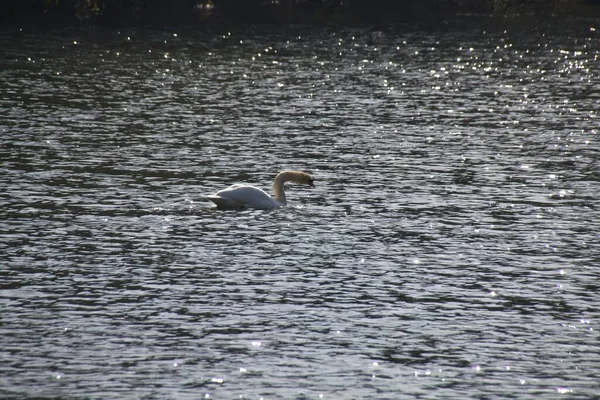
[[241, 196]]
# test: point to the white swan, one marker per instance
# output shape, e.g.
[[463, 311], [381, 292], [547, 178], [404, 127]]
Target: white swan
[[239, 196]]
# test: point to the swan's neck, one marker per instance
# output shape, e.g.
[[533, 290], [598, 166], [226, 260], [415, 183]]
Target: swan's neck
[[280, 179]]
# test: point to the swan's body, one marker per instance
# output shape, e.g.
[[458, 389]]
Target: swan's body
[[240, 196], [243, 196]]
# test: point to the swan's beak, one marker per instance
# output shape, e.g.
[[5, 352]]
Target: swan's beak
[[311, 184]]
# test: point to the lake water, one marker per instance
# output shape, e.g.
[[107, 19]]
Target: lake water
[[451, 248]]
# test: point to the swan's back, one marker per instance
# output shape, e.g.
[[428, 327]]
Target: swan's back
[[243, 196]]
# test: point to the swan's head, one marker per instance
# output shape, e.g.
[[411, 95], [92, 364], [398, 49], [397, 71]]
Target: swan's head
[[305, 179]]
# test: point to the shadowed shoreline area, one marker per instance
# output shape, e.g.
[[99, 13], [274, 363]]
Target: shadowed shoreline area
[[220, 12]]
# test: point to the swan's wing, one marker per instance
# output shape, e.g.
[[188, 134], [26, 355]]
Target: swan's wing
[[244, 196]]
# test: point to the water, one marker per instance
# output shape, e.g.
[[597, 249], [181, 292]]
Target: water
[[450, 249]]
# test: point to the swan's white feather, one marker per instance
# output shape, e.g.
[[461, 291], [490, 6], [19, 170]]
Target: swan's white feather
[[243, 196]]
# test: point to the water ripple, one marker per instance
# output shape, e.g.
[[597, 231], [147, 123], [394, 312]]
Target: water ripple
[[449, 249]]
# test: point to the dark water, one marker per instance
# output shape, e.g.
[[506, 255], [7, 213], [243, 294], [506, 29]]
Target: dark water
[[450, 250]]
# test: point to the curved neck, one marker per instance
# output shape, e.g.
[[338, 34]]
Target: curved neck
[[280, 179]]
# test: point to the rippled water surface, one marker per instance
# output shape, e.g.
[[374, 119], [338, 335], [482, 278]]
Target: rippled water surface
[[450, 250]]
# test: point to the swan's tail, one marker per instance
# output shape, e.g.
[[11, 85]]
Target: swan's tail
[[224, 203]]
